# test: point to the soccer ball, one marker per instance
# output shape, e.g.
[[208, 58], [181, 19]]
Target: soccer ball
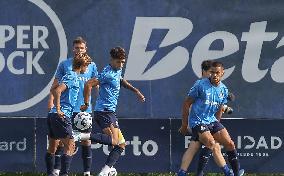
[[112, 172], [83, 121]]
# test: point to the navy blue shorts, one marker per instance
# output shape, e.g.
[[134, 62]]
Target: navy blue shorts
[[58, 127], [213, 127], [89, 130], [105, 118]]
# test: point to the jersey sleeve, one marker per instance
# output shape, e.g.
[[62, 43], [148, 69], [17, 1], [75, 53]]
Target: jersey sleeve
[[194, 91], [68, 80], [94, 73], [60, 71], [226, 94]]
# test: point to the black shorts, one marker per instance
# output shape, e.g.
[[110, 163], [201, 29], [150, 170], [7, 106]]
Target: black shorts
[[59, 127], [105, 118], [89, 130], [213, 127]]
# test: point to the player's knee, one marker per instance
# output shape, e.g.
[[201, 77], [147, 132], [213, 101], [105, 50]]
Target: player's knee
[[230, 145], [210, 144], [86, 142], [216, 147], [61, 144], [51, 150], [122, 146], [114, 141]]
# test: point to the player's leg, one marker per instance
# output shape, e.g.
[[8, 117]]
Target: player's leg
[[108, 122], [188, 156], [66, 158], [207, 139], [121, 144], [204, 156], [57, 162], [52, 143], [117, 150], [221, 135], [50, 155], [86, 156], [63, 131]]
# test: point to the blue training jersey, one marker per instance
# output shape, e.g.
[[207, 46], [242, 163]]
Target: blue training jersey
[[207, 101], [68, 97], [109, 89], [91, 72]]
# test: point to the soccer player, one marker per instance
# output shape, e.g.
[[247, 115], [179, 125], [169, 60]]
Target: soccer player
[[207, 98], [110, 80], [79, 46], [59, 117]]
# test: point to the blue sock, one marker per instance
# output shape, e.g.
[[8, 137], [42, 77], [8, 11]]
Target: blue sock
[[181, 173], [87, 158], [58, 153], [226, 170], [203, 160], [233, 160], [101, 138], [65, 164], [49, 161], [114, 156]]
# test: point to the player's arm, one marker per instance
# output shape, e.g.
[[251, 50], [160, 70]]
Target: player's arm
[[127, 85], [219, 113], [57, 93], [50, 103], [60, 72], [87, 92], [185, 112]]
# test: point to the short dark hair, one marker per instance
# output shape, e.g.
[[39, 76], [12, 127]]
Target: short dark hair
[[80, 59], [206, 65], [217, 64], [79, 40], [118, 53]]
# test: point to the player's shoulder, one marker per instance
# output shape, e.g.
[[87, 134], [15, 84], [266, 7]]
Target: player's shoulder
[[222, 85], [203, 81], [92, 66], [66, 61]]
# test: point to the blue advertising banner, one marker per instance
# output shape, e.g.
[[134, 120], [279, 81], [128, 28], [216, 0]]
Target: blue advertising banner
[[166, 41], [147, 150], [17, 144], [259, 144], [153, 145]]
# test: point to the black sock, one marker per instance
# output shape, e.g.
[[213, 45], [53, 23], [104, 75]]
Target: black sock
[[233, 160], [49, 161], [114, 156], [101, 138], [58, 153], [87, 158], [65, 164], [204, 156]]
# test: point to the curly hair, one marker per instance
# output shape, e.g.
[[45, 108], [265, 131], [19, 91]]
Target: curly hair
[[81, 59], [118, 53]]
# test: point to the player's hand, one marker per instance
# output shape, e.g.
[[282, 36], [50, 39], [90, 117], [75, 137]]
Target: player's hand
[[60, 113], [183, 129], [83, 107], [140, 96], [49, 106]]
